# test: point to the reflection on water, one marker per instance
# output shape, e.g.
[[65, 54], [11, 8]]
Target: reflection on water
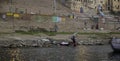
[[10, 55], [79, 53], [114, 56]]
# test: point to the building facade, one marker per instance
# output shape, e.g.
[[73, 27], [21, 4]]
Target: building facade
[[116, 5], [77, 4]]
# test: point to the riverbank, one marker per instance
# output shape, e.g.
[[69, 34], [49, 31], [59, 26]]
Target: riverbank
[[42, 40]]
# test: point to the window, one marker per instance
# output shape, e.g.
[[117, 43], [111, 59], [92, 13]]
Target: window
[[101, 1], [118, 7]]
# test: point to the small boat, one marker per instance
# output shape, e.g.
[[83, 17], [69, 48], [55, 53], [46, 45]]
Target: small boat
[[115, 44]]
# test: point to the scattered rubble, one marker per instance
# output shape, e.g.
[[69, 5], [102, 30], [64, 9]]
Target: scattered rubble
[[46, 42]]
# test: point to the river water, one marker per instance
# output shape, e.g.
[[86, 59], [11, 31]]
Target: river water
[[60, 53]]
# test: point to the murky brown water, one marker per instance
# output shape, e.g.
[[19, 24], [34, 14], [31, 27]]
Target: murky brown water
[[79, 53]]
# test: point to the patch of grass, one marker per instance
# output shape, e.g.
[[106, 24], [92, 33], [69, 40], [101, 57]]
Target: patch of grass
[[38, 30], [25, 32], [35, 32], [50, 33], [65, 32], [114, 33], [55, 33], [91, 33]]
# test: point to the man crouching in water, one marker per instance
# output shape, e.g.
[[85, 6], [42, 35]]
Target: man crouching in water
[[73, 38]]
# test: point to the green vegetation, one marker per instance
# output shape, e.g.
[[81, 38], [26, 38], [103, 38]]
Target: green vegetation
[[114, 33], [33, 32], [25, 32]]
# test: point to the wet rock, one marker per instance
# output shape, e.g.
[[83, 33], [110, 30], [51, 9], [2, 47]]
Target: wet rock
[[64, 43], [34, 45], [15, 45], [45, 40], [54, 42]]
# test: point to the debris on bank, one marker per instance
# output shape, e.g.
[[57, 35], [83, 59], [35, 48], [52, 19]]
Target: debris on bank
[[46, 42]]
